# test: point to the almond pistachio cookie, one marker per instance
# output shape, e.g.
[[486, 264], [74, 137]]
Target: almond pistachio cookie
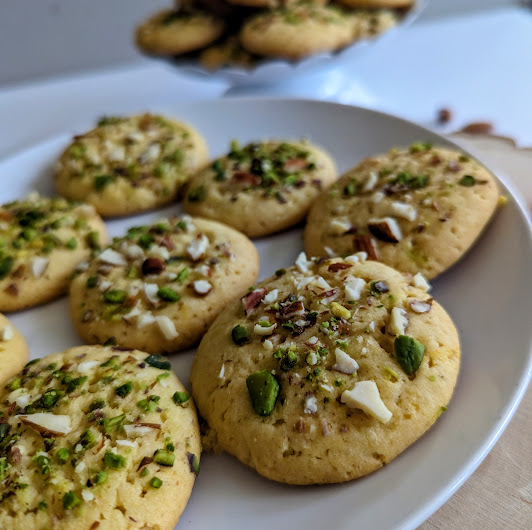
[[130, 164], [371, 23], [263, 187], [297, 31], [177, 31], [13, 350], [42, 241], [226, 53], [96, 437], [327, 371], [418, 209], [269, 4], [159, 287]]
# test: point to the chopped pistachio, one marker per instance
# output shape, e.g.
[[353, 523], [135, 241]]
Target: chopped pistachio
[[70, 500], [263, 390], [6, 264], [180, 398], [467, 180], [100, 478], [197, 194], [240, 335], [113, 460], [124, 390], [115, 296], [164, 458], [102, 181], [168, 295], [409, 353], [158, 361], [62, 455], [92, 281], [155, 482]]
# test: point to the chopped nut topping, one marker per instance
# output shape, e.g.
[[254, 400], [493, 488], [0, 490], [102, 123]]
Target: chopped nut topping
[[365, 396], [421, 306], [386, 229], [404, 210], [365, 243], [344, 363], [398, 321], [112, 257], [39, 265], [47, 423], [202, 287]]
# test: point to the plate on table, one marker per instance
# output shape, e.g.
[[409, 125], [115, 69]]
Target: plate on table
[[272, 71], [486, 294]]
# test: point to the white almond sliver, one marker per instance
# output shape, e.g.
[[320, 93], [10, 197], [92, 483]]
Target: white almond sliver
[[134, 252], [420, 306], [353, 288], [345, 364], [302, 263], [202, 287], [167, 326], [371, 181], [7, 333], [87, 495], [46, 422], [420, 282], [87, 366], [134, 430], [39, 265], [398, 321], [311, 405], [340, 227], [404, 210], [151, 290], [145, 320], [261, 330], [112, 257], [271, 297], [366, 397], [197, 247]]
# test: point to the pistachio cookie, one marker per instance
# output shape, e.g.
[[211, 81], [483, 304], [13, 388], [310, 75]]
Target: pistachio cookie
[[261, 188], [418, 209], [41, 242], [226, 53], [96, 437], [159, 287], [270, 4], [177, 31], [327, 371], [13, 350], [369, 24], [297, 31], [130, 164]]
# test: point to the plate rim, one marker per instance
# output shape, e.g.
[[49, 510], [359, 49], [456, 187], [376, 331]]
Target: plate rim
[[449, 488]]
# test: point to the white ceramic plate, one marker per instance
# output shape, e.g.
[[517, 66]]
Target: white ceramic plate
[[272, 71], [487, 294]]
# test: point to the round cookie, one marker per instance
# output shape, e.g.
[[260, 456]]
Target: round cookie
[[377, 4], [226, 53], [130, 164], [41, 242], [417, 210], [270, 4], [370, 24], [13, 350], [177, 31], [297, 31], [338, 366], [261, 188], [160, 287], [96, 437]]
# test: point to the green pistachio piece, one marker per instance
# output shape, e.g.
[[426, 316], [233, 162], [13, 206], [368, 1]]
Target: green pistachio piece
[[70, 500], [102, 181], [418, 147], [240, 335], [180, 398], [93, 240], [97, 404], [168, 295], [62, 455], [193, 463], [75, 383], [113, 460], [164, 458], [263, 390], [50, 398], [100, 477], [43, 464], [15, 384], [6, 264], [92, 281], [409, 353], [146, 241], [467, 180], [72, 243], [156, 482], [288, 361], [115, 296], [124, 390], [158, 361], [198, 194]]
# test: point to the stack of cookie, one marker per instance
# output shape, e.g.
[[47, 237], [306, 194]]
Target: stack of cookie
[[320, 374], [241, 32]]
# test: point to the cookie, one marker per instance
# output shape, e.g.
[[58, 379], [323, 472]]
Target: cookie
[[130, 164], [418, 209], [226, 53], [159, 287], [261, 188], [270, 4], [13, 350], [96, 437], [377, 4], [297, 31], [177, 31], [327, 371], [41, 242], [369, 24]]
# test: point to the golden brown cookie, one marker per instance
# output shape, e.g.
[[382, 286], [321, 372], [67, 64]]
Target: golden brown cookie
[[297, 31], [41, 242], [13, 350], [130, 164], [418, 209], [159, 287], [263, 187], [173, 32], [96, 437], [327, 371]]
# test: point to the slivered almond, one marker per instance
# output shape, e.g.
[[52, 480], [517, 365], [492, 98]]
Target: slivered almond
[[386, 229], [47, 423], [365, 243], [421, 306]]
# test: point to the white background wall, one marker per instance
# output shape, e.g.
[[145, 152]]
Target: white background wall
[[39, 38]]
